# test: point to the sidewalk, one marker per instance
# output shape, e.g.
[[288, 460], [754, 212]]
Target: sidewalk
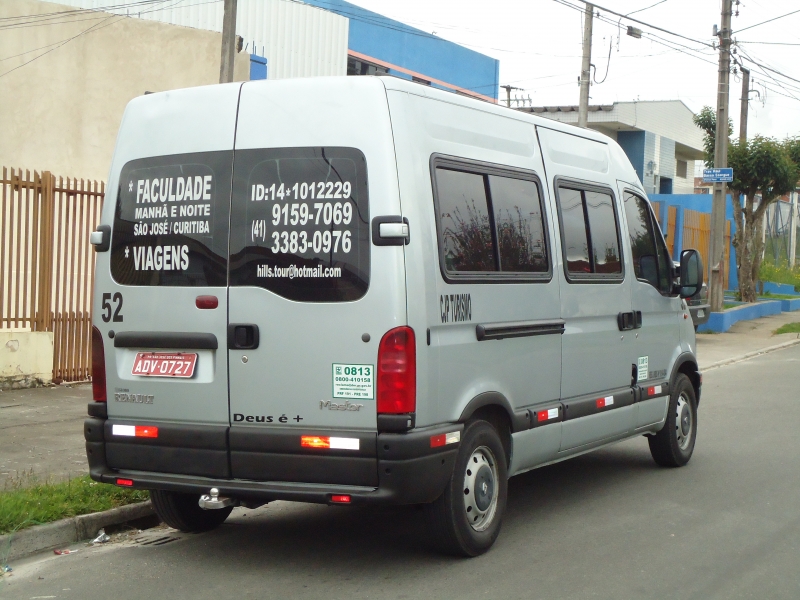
[[42, 429], [744, 337]]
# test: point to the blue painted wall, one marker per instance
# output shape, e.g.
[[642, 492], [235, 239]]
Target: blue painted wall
[[632, 143], [416, 50]]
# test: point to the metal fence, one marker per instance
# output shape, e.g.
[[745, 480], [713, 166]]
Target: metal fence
[[47, 264], [697, 235]]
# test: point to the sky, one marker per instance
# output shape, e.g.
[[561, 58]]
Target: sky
[[538, 44]]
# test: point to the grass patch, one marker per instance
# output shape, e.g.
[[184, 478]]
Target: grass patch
[[780, 274], [788, 328], [769, 296], [726, 306], [25, 501]]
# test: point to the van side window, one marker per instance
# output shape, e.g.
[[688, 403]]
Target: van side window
[[490, 222], [520, 228], [465, 220], [590, 232], [651, 262]]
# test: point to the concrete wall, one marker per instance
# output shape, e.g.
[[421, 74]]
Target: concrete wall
[[61, 111], [26, 358]]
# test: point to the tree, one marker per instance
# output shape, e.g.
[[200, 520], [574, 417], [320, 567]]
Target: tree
[[761, 167]]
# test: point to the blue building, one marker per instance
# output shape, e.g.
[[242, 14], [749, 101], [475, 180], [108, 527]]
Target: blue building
[[378, 45]]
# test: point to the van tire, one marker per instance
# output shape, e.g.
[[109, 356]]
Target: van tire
[[182, 512], [448, 515], [673, 445]]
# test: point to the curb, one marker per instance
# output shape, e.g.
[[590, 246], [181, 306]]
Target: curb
[[67, 531], [735, 359]]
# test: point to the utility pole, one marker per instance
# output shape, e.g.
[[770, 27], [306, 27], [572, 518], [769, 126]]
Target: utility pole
[[228, 42], [745, 104], [715, 266], [508, 89], [586, 66]]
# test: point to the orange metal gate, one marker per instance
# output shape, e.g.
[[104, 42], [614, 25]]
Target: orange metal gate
[[47, 264]]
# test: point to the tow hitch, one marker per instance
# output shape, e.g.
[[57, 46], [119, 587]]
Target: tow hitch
[[213, 501]]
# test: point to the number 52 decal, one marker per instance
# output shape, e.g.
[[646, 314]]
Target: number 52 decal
[[106, 315]]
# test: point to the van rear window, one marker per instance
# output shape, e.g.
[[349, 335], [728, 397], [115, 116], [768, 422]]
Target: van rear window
[[171, 221], [300, 223]]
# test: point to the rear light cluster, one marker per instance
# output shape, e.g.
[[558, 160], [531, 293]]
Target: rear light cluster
[[98, 367], [397, 372]]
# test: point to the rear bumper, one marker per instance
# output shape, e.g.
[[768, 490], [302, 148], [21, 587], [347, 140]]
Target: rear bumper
[[397, 468]]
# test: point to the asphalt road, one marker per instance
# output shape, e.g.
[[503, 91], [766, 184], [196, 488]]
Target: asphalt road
[[606, 525]]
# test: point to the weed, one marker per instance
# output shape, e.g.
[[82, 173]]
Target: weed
[[26, 501], [788, 328]]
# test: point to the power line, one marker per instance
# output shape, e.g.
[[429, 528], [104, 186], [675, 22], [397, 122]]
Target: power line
[[646, 7], [767, 21], [641, 22], [771, 43]]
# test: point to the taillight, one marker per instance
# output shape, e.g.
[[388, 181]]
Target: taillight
[[397, 372], [98, 367]]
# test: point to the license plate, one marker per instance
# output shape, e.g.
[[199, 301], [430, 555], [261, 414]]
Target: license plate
[[701, 313], [164, 364]]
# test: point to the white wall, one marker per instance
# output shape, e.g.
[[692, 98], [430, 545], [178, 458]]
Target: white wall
[[297, 40]]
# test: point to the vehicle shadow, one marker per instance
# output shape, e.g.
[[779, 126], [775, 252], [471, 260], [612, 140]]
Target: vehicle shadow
[[300, 537]]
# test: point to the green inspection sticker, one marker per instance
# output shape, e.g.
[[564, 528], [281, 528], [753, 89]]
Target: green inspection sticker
[[354, 381]]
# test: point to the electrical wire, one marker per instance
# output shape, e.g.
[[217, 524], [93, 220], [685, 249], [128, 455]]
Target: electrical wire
[[767, 21], [651, 26], [646, 7]]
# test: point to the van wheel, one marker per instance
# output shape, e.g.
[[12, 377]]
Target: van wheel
[[465, 519], [673, 445], [182, 512]]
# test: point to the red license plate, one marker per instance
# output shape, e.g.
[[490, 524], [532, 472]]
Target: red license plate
[[164, 364]]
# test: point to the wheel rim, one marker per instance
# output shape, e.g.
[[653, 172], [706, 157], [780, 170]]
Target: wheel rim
[[480, 488], [683, 422]]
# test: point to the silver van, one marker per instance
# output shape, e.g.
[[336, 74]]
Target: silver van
[[363, 290]]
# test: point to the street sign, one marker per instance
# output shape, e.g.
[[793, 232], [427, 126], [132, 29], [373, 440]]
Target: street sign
[[717, 175]]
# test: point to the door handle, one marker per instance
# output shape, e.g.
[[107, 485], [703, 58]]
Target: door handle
[[242, 336], [629, 320]]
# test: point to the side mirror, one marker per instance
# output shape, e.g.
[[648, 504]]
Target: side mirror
[[691, 273]]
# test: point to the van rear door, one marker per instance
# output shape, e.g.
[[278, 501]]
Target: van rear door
[[161, 292], [310, 297]]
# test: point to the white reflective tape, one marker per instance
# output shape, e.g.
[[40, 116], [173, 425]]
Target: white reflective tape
[[129, 430], [609, 400], [452, 438], [338, 443], [657, 389], [552, 413]]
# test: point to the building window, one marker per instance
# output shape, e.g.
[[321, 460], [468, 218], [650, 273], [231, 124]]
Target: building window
[[681, 169], [356, 66]]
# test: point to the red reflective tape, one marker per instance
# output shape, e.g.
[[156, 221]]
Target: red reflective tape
[[125, 482], [651, 391], [146, 431], [340, 499], [315, 441], [438, 440], [541, 416], [601, 403]]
